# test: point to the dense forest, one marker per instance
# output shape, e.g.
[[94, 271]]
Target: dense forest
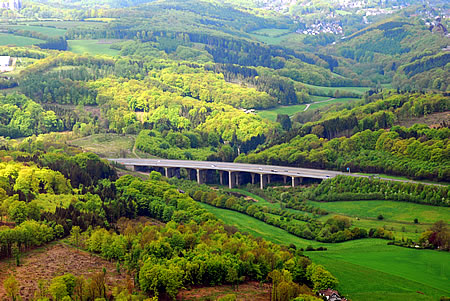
[[190, 247]]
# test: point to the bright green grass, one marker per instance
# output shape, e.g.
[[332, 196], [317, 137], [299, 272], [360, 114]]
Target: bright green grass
[[271, 114], [398, 228], [91, 47], [68, 24], [371, 270], [272, 32], [315, 98], [9, 39], [107, 145], [258, 228], [359, 90], [400, 178], [391, 211], [331, 102], [48, 31], [367, 269], [272, 36]]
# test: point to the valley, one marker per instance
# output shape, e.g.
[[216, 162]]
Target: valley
[[224, 150]]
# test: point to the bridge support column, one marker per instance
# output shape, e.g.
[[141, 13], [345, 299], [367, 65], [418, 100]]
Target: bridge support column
[[285, 179], [230, 179], [221, 177], [296, 181], [262, 181], [253, 178], [268, 178], [199, 176], [168, 172], [237, 178], [130, 167]]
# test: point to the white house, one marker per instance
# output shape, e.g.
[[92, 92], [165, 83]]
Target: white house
[[5, 62]]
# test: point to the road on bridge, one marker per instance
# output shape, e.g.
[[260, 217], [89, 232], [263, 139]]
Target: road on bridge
[[233, 167], [250, 168]]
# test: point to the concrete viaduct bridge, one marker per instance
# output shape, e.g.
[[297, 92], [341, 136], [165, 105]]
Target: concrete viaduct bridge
[[234, 174]]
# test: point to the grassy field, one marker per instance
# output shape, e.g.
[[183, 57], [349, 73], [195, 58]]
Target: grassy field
[[9, 39], [258, 228], [272, 36], [400, 178], [107, 145], [391, 211], [67, 24], [331, 102], [48, 31], [271, 114], [371, 270], [359, 90], [95, 47], [367, 269]]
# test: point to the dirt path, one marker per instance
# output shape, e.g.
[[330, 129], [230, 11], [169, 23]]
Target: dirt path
[[51, 261], [134, 150], [309, 104]]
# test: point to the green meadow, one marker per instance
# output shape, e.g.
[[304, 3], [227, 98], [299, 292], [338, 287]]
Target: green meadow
[[271, 114], [48, 31], [9, 39], [359, 90], [331, 102], [391, 211], [367, 269], [272, 36], [94, 47]]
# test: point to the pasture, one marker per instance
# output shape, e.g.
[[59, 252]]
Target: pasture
[[391, 211], [271, 114], [48, 31], [10, 39], [371, 270], [367, 269], [94, 47], [272, 36], [358, 90], [330, 102]]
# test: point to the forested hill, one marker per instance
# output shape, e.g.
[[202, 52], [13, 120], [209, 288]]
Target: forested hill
[[184, 78]]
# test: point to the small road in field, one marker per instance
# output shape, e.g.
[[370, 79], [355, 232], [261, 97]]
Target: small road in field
[[309, 104]]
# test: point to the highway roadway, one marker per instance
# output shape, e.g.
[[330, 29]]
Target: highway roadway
[[294, 172], [234, 167]]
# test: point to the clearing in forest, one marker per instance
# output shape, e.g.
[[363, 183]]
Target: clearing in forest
[[54, 260]]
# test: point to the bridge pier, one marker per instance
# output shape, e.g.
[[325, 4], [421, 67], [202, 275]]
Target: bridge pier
[[230, 179], [221, 177], [253, 178], [169, 172], [131, 167], [284, 179], [262, 181], [296, 181], [237, 178], [199, 176]]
